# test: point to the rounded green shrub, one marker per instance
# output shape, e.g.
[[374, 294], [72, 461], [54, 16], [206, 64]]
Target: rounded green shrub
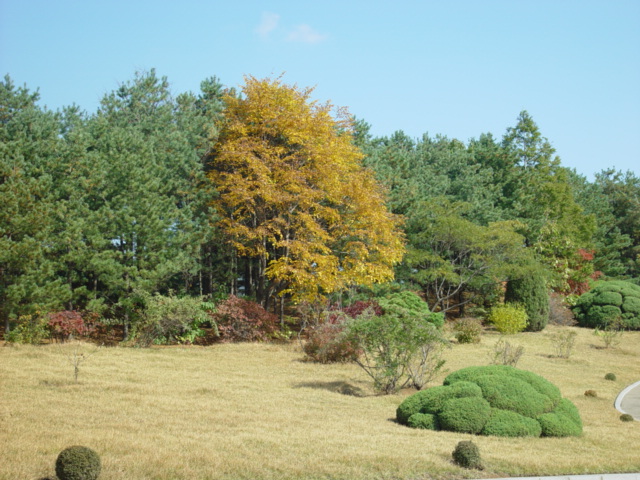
[[423, 420], [508, 318], [531, 292], [514, 394], [467, 455], [493, 400], [465, 415], [78, 463], [609, 302], [625, 417], [505, 423], [610, 376]]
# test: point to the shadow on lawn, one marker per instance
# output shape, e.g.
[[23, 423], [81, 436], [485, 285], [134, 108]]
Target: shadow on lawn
[[343, 388]]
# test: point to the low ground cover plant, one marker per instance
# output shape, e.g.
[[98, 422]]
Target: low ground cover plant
[[493, 400]]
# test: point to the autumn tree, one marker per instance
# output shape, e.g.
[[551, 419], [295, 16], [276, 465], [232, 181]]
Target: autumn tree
[[303, 215]]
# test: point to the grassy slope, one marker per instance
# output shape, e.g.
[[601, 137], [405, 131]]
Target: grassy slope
[[258, 412]]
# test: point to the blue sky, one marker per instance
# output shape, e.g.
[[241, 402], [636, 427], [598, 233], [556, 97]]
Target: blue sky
[[457, 68]]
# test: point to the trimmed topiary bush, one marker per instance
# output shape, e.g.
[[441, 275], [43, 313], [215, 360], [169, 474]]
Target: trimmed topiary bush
[[467, 455], [531, 292], [493, 400], [423, 420], [78, 463], [625, 417], [610, 376], [465, 415], [609, 302], [505, 423]]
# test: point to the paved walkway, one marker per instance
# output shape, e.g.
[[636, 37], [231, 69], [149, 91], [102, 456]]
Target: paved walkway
[[629, 401], [604, 476]]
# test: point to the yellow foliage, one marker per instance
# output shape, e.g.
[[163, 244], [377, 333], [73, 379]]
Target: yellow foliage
[[293, 192]]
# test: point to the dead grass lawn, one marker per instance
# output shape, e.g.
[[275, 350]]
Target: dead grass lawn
[[257, 411]]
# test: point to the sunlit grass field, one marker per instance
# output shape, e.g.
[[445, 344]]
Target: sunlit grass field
[[258, 411]]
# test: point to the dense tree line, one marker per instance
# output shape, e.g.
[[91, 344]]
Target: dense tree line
[[267, 193]]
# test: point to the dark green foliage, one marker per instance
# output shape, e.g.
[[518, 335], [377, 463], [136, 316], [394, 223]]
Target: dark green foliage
[[494, 400], [467, 455], [407, 303], [426, 421], [610, 376], [531, 292], [608, 298], [505, 423], [625, 417], [78, 463], [609, 302], [465, 415]]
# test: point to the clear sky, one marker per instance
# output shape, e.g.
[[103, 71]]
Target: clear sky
[[452, 67]]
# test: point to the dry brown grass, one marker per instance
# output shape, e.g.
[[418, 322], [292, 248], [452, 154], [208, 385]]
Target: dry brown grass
[[256, 411]]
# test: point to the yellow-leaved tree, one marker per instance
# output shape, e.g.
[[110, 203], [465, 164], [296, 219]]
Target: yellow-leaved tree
[[303, 215]]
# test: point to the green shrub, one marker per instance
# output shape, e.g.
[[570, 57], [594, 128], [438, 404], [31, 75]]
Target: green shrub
[[467, 330], [508, 318], [610, 376], [397, 348], [531, 292], [467, 455], [465, 415], [625, 417], [29, 329], [515, 394], [494, 400], [78, 463], [432, 400], [170, 319], [505, 423], [608, 302], [557, 425], [407, 303], [423, 420]]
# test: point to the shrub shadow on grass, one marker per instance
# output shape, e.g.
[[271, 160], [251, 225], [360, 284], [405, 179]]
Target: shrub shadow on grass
[[343, 388]]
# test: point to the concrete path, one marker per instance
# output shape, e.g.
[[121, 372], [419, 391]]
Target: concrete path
[[629, 401], [604, 476]]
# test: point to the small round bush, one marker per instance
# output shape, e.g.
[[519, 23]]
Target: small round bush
[[508, 318], [610, 376], [625, 417], [467, 455], [465, 415], [78, 463], [590, 393]]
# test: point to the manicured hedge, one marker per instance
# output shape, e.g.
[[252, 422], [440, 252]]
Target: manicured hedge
[[492, 400], [607, 302]]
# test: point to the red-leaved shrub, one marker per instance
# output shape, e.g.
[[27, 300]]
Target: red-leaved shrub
[[241, 320], [326, 342], [66, 323]]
